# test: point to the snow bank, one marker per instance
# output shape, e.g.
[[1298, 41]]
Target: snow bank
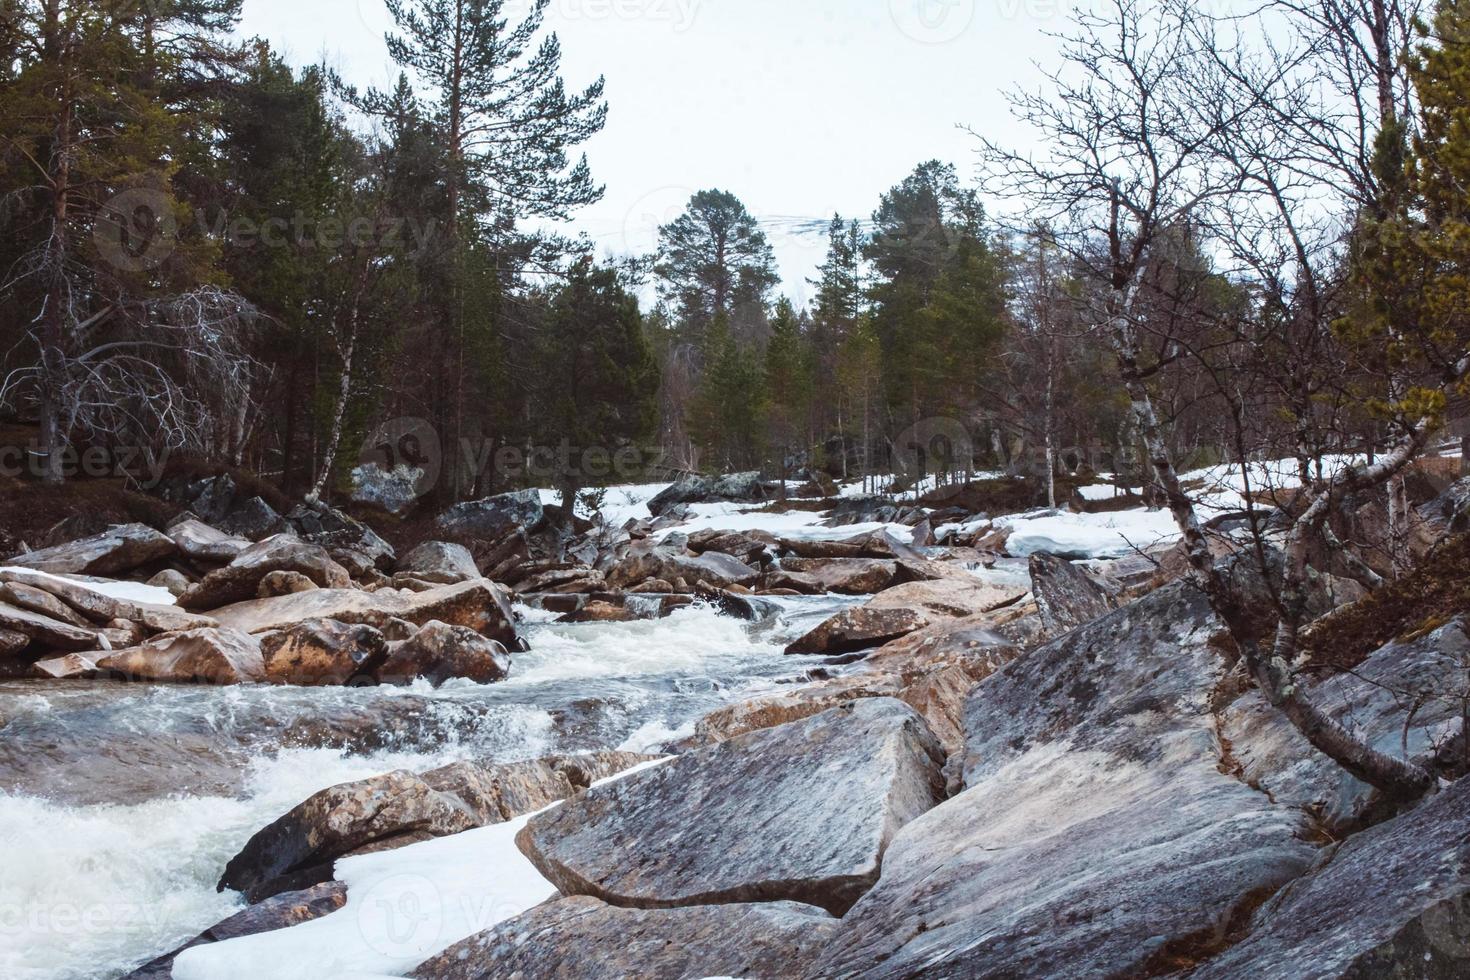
[[1088, 535], [403, 907], [124, 591]]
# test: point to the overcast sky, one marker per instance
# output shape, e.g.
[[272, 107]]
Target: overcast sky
[[801, 108]]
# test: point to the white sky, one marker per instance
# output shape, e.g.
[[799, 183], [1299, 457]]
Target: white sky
[[799, 107]]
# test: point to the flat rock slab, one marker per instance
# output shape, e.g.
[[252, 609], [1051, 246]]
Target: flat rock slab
[[584, 939], [120, 549], [1405, 695], [102, 608], [205, 656], [479, 605], [802, 813], [900, 611], [201, 542], [1393, 901], [45, 631], [1098, 834]]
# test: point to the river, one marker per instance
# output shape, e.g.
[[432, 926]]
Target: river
[[119, 805]]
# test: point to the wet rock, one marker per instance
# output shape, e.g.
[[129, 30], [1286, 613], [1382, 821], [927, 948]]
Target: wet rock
[[102, 608], [567, 581], [339, 820], [900, 611], [734, 488], [864, 510], [585, 939], [600, 612], [494, 518], [798, 813], [1405, 700], [439, 652], [120, 549], [281, 912], [1393, 901], [1098, 834], [751, 547], [845, 576], [205, 656], [39, 601], [322, 653], [1066, 596], [241, 579], [440, 562], [45, 631], [479, 605], [199, 541], [400, 807]]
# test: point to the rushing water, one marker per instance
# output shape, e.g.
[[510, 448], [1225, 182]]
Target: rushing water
[[119, 805]]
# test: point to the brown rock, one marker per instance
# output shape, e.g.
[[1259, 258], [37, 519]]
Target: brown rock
[[69, 667], [479, 605], [40, 601], [440, 562], [321, 653], [439, 652], [46, 631], [284, 583], [120, 549], [100, 608], [845, 576], [205, 656], [600, 612], [240, 580], [12, 642]]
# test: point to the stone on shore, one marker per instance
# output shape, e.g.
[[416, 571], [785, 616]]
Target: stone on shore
[[801, 813], [205, 656], [241, 579], [323, 653], [439, 653], [585, 939]]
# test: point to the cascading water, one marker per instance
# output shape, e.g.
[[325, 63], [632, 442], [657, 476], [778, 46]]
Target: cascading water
[[120, 805]]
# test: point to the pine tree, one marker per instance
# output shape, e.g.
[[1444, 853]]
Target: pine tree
[[788, 383], [714, 261]]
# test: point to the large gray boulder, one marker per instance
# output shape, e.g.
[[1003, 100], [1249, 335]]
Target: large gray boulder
[[1391, 902], [201, 542], [584, 939], [1066, 596], [320, 524], [741, 488], [1405, 700], [241, 578], [494, 518], [479, 605], [439, 563], [299, 849], [118, 550], [801, 813], [1098, 834]]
